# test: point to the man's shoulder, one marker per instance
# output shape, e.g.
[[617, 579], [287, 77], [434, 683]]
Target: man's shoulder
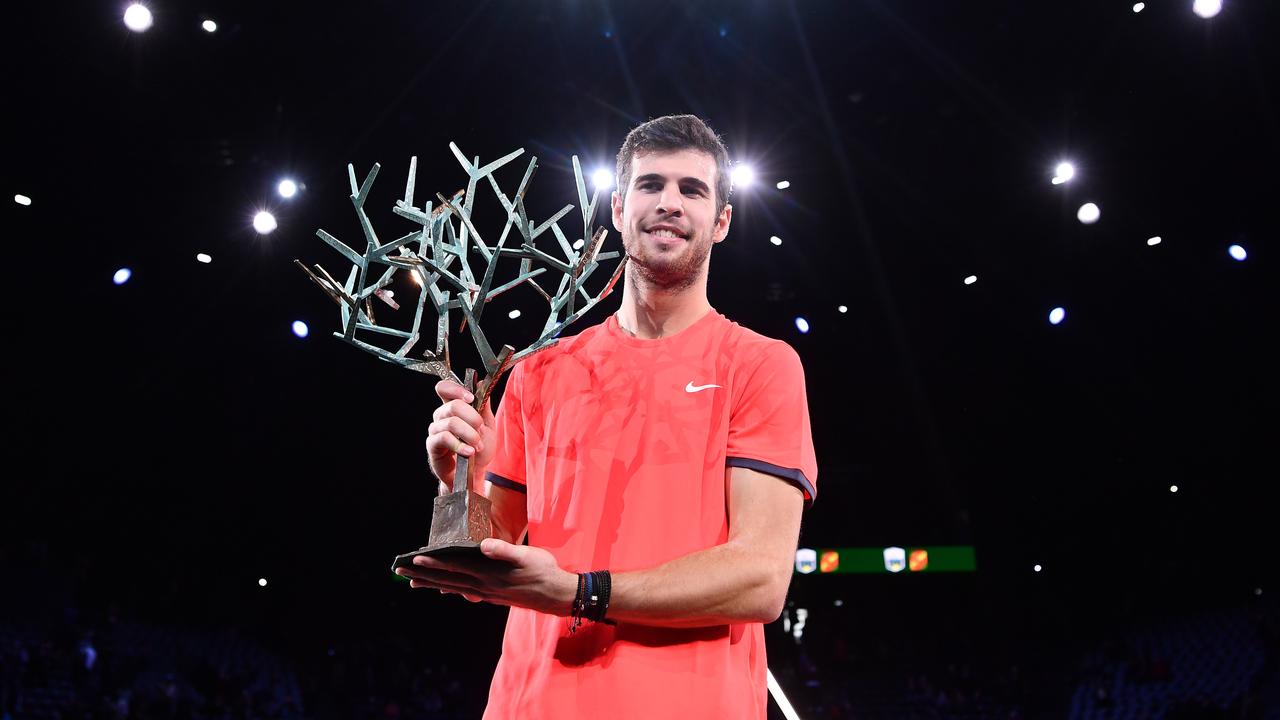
[[751, 347]]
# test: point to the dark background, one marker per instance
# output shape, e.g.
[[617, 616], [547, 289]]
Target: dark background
[[171, 441]]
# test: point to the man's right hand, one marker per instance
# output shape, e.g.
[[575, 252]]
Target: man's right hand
[[458, 428]]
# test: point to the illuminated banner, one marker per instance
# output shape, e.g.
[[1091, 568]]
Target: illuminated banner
[[892, 560]]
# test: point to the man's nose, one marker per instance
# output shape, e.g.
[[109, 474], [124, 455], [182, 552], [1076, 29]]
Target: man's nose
[[671, 202]]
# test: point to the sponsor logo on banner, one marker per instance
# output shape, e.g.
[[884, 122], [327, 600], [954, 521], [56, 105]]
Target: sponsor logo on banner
[[830, 561], [895, 559], [918, 561], [806, 560]]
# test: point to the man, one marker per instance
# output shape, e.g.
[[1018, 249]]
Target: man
[[667, 446]]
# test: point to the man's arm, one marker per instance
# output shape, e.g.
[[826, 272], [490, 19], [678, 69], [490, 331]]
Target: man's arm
[[509, 513], [744, 579]]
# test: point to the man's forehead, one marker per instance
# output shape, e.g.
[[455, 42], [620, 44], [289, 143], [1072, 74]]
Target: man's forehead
[[675, 164]]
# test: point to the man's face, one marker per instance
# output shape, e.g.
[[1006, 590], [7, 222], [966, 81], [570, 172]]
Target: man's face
[[668, 220]]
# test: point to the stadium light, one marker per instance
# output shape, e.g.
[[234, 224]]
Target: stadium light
[[137, 18], [742, 176], [1206, 8], [264, 222], [1064, 172]]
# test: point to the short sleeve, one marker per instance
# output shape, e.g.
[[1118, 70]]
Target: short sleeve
[[507, 469], [769, 429]]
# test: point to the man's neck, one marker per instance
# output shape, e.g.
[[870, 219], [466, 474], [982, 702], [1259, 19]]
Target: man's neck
[[650, 313]]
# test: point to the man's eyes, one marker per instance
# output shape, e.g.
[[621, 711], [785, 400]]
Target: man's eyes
[[693, 191]]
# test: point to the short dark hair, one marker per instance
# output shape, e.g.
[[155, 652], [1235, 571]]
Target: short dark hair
[[670, 133]]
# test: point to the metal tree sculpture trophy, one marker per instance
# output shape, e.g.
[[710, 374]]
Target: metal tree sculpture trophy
[[440, 254]]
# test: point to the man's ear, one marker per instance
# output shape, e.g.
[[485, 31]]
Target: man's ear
[[721, 228], [615, 204]]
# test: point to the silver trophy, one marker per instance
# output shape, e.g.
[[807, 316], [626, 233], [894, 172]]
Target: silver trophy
[[440, 253]]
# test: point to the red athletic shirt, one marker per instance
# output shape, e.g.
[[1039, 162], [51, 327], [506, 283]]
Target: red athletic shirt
[[621, 445]]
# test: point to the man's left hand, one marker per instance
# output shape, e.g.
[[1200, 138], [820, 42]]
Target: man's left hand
[[514, 575]]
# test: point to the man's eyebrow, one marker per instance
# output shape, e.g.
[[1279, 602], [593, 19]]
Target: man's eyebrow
[[684, 181]]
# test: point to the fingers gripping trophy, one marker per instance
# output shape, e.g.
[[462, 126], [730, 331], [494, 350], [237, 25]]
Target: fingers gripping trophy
[[455, 268]]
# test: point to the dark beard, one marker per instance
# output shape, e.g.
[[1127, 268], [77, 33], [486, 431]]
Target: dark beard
[[668, 277]]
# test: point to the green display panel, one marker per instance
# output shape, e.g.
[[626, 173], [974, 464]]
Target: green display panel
[[886, 560]]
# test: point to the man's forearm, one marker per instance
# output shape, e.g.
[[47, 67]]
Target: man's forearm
[[720, 585]]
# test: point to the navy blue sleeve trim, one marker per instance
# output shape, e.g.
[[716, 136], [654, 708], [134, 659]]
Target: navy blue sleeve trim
[[504, 482], [791, 475]]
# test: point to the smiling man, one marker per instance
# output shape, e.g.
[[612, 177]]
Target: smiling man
[[659, 463]]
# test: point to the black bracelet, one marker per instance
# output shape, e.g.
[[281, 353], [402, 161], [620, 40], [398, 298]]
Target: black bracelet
[[576, 615], [606, 591], [592, 600]]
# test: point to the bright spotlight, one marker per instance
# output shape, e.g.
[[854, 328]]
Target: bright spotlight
[[1153, 241], [209, 26], [1237, 252], [842, 309], [122, 276], [137, 17], [1206, 8], [1064, 172], [784, 184], [1088, 213], [602, 179], [1057, 315], [300, 329], [264, 222], [971, 280], [262, 582], [1038, 568], [577, 244], [1173, 488], [22, 199], [513, 314], [775, 240], [802, 325], [204, 258], [742, 176], [287, 188], [1139, 7]]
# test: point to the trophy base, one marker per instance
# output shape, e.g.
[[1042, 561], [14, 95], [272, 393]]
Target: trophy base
[[457, 550], [459, 522]]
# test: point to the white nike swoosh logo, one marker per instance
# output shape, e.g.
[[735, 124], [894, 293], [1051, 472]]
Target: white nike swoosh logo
[[691, 388]]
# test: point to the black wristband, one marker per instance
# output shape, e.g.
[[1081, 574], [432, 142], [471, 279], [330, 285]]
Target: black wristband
[[579, 604], [592, 601], [606, 581]]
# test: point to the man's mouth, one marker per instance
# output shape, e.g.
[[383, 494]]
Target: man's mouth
[[666, 231]]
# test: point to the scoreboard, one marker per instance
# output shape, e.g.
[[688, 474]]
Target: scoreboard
[[890, 560]]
